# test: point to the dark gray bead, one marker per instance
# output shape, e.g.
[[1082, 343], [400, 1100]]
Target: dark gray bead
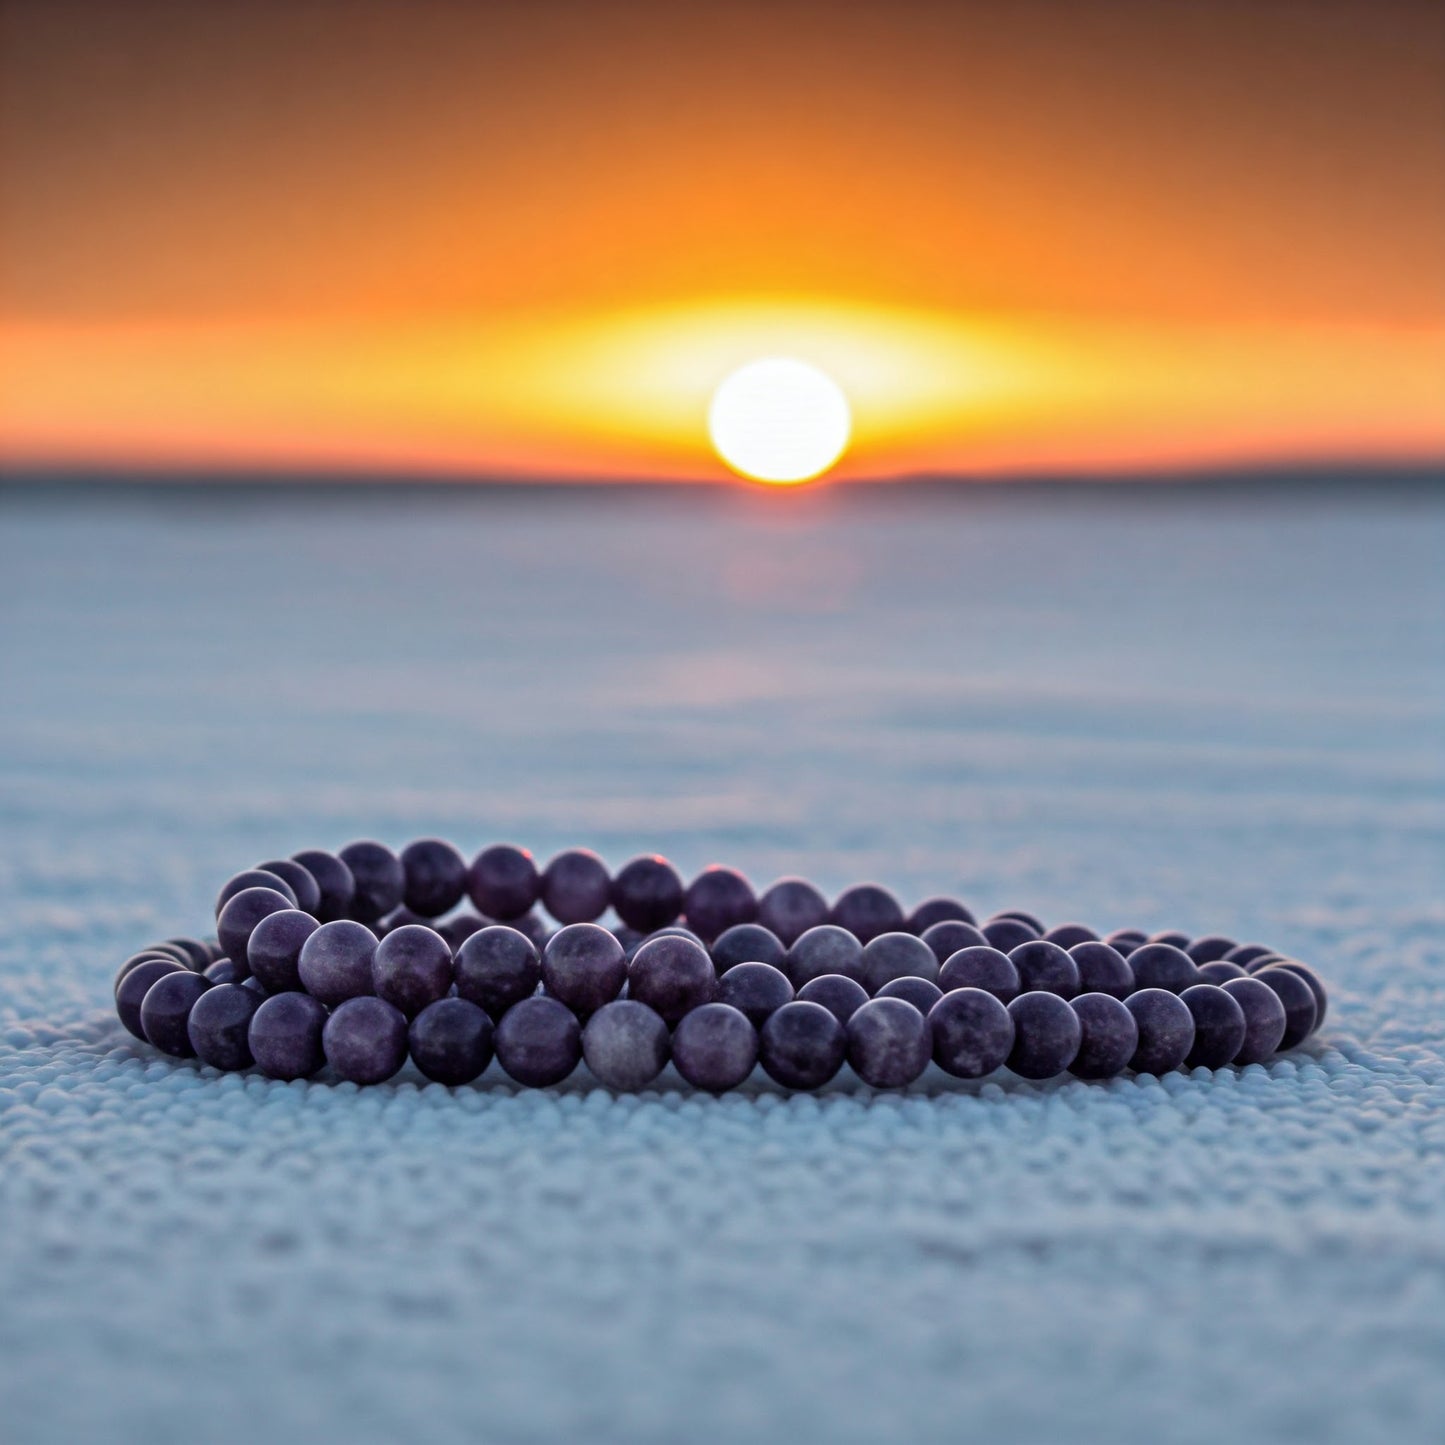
[[937, 910], [889, 1043], [457, 930], [647, 893], [273, 952], [1298, 999], [1163, 965], [411, 968], [1316, 987], [755, 989], [497, 967], [503, 881], [1102, 969], [1218, 1026], [1220, 971], [378, 876], [897, 955], [285, 1036], [866, 910], [219, 1023], [222, 971], [841, 996], [166, 1008], [364, 1040], [335, 962], [197, 954], [576, 887], [790, 908], [451, 1041], [538, 1042], [1030, 920], [1171, 936], [950, 936], [241, 915], [299, 879], [824, 949], [1108, 1036], [715, 1047], [747, 943], [1045, 967], [1047, 1035], [672, 975], [918, 991], [973, 1033], [1006, 934], [435, 877], [1244, 953], [1166, 1030], [1069, 935], [982, 967], [584, 966], [251, 878], [1264, 1018], [1210, 947], [626, 1045], [333, 878], [716, 900], [130, 991], [1125, 940], [802, 1045]]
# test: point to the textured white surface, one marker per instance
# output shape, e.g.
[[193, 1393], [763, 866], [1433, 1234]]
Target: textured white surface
[[1185, 709]]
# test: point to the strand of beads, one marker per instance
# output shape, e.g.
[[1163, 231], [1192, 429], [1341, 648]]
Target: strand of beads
[[360, 959]]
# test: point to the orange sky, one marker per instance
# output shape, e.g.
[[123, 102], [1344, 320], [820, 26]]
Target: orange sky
[[531, 238]]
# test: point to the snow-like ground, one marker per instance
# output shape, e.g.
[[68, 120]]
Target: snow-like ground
[[1215, 710]]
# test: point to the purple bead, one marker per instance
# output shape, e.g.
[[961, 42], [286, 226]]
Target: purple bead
[[219, 1023], [1125, 940], [497, 967], [790, 908], [802, 1045], [1220, 971], [1068, 935], [378, 876], [671, 975], [222, 971], [889, 1043], [1006, 934], [399, 918], [273, 952], [1316, 987], [626, 1045], [1030, 920], [1243, 954], [169, 950], [364, 1040], [973, 1033], [197, 955], [411, 968], [1047, 1035], [1298, 999], [1171, 936], [824, 949], [166, 1008], [1210, 947], [299, 879], [897, 955], [136, 959], [584, 966], [948, 937], [335, 962], [538, 1042], [866, 910], [1108, 1036], [1163, 965], [1257, 964], [918, 991], [981, 967], [937, 910], [755, 989], [239, 882], [1218, 1026], [715, 1047], [451, 1041], [841, 996], [576, 887], [747, 943], [285, 1036], [1166, 1030], [716, 900], [1045, 967], [503, 881], [647, 893], [333, 878], [1102, 969], [241, 915], [1264, 1018], [457, 930], [434, 877]]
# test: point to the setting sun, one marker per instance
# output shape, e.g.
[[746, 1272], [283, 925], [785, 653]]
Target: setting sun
[[779, 420]]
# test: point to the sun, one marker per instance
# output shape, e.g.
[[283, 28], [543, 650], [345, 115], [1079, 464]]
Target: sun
[[779, 420]]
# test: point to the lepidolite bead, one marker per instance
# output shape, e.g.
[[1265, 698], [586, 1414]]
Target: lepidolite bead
[[747, 943], [131, 989], [950, 936], [866, 910], [1029, 920], [1298, 999], [1244, 953], [1316, 987], [1220, 971], [790, 908], [584, 966], [435, 877], [672, 975], [364, 1040], [840, 995], [889, 1043], [576, 887], [1108, 1036], [1126, 940], [333, 878], [273, 952], [1102, 969], [647, 893], [197, 954], [1218, 1026], [241, 915], [219, 1025], [497, 967], [285, 1036], [1007, 934], [1068, 935], [755, 990], [717, 899], [147, 955], [538, 1042], [802, 1045], [1047, 1035], [973, 1033], [222, 971], [824, 949], [715, 1047], [1163, 965], [1210, 947], [980, 966], [458, 929], [166, 1009], [1172, 936], [335, 962], [503, 881], [1166, 1030], [937, 910], [918, 991], [412, 967], [1264, 1018], [299, 879], [378, 876], [252, 878], [1045, 967], [897, 955], [1263, 961], [626, 1044], [451, 1041]]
